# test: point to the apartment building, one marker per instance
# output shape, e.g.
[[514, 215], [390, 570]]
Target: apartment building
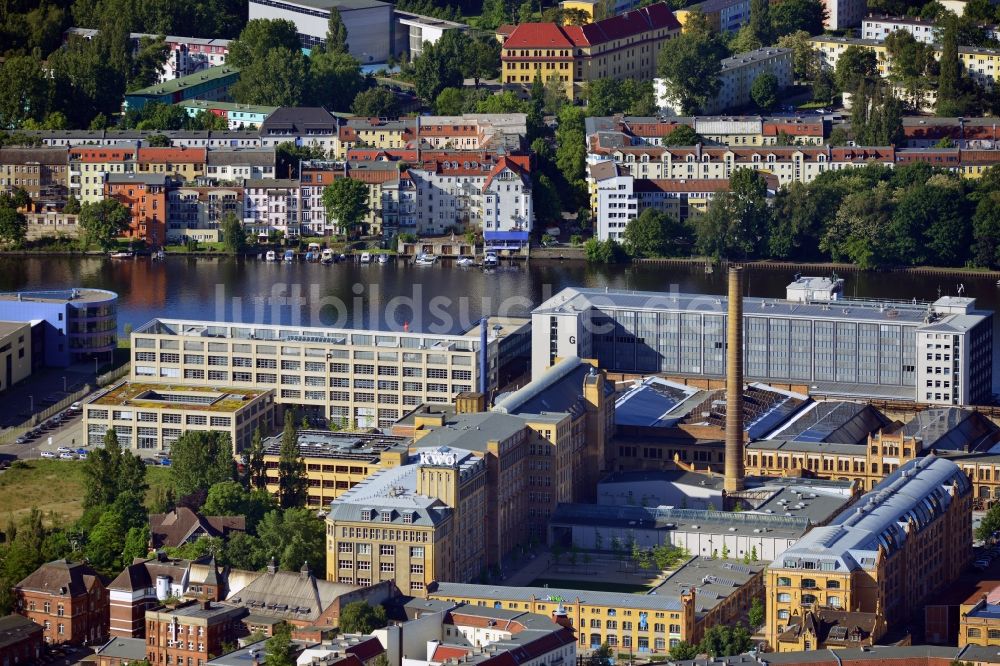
[[185, 164], [238, 116], [726, 16], [893, 550], [272, 204], [736, 79], [368, 376], [618, 47], [643, 623], [415, 523], [15, 353], [979, 623], [843, 14], [185, 55], [209, 84], [20, 640], [67, 599], [41, 172], [149, 417], [194, 630], [234, 165], [734, 131], [145, 196], [113, 137], [196, 213], [335, 461], [90, 166], [311, 126], [980, 64], [812, 341]]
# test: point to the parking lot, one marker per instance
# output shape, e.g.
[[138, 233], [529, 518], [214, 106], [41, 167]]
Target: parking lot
[[60, 436]]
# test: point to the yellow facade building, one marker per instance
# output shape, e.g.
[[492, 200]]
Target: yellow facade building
[[335, 461], [895, 548], [619, 47], [979, 623]]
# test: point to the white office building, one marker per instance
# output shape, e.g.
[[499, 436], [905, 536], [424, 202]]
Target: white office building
[[736, 80], [369, 23]]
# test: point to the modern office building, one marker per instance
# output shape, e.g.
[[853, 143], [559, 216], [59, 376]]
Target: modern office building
[[150, 417], [736, 79], [413, 32], [15, 353], [370, 376], [369, 23], [897, 547], [813, 341], [336, 461], [73, 325], [617, 47]]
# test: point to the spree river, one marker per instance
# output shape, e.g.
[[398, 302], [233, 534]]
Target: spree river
[[440, 298]]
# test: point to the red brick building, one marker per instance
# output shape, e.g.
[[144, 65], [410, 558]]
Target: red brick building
[[69, 601], [191, 633], [145, 195], [20, 640]]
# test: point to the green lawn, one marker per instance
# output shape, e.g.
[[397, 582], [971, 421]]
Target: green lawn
[[594, 585], [55, 486]]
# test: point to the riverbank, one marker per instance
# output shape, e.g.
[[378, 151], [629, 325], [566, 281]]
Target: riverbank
[[577, 254]]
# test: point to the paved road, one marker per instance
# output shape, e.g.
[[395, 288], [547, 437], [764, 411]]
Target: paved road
[[69, 434]]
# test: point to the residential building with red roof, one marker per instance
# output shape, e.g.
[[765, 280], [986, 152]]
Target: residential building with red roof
[[67, 599], [618, 47], [184, 163]]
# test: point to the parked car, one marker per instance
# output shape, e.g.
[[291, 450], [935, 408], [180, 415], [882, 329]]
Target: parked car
[[81, 452], [165, 462], [48, 454], [67, 456], [76, 406], [83, 456], [64, 449], [23, 439]]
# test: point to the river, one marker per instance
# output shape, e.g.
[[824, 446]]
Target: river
[[440, 298]]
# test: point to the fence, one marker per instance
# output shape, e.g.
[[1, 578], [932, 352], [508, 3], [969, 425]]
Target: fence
[[113, 375]]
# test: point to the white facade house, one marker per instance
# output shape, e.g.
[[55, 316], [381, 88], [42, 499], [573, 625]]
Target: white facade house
[[843, 14], [616, 201], [272, 205], [239, 164], [414, 32], [736, 80], [185, 55], [368, 23], [925, 32]]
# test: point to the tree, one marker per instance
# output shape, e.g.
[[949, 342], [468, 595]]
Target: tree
[[377, 102], [931, 225], [147, 62], [760, 21], [724, 640], [279, 649], [691, 63], [989, 525], [336, 33], [790, 16], [571, 149], [26, 91], [13, 226], [109, 472], [441, 65], [764, 91], [334, 80], [682, 135], [736, 222], [103, 221], [603, 252], [72, 206], [986, 233], [756, 614], [575, 17], [230, 498], [278, 78], [449, 102], [683, 651], [482, 59], [294, 537], [359, 617], [346, 203], [602, 656], [859, 232], [234, 237], [136, 544], [259, 37], [805, 64], [256, 467], [949, 99], [876, 115], [293, 486], [854, 66], [648, 235], [200, 459]]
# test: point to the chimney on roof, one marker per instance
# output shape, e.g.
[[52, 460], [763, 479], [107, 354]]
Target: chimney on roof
[[734, 384], [305, 571], [272, 566]]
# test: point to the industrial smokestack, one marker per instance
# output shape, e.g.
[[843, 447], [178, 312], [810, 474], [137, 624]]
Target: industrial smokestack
[[734, 384]]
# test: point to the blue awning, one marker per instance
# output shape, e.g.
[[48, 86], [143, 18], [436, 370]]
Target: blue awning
[[506, 236]]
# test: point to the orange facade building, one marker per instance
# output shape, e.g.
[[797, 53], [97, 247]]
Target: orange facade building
[[145, 195]]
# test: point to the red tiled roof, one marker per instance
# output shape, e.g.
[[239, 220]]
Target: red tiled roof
[[156, 154], [443, 653], [366, 650], [504, 163], [682, 185], [538, 35], [101, 154]]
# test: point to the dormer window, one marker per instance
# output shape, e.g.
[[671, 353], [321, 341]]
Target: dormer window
[[366, 514], [387, 516], [408, 517]]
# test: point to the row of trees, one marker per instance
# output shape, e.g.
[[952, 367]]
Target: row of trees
[[871, 216]]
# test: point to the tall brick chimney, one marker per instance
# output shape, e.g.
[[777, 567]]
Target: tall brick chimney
[[734, 384]]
